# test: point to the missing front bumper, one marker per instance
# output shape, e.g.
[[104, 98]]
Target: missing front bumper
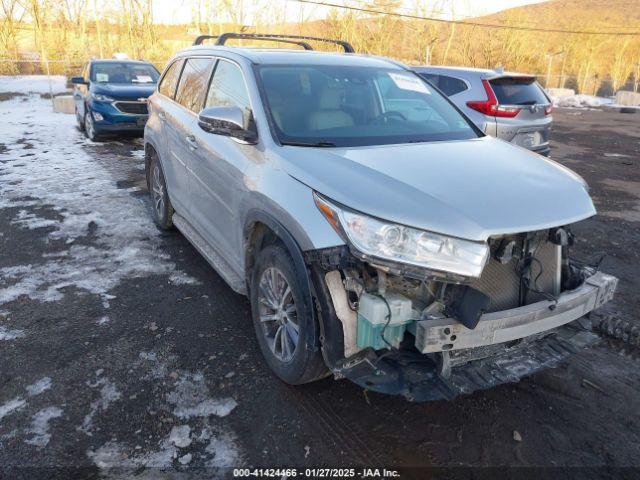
[[447, 334]]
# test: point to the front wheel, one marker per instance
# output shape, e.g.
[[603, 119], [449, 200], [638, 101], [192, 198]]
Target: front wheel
[[80, 120], [90, 127], [287, 331]]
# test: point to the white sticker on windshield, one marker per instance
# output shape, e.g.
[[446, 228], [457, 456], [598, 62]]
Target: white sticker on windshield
[[144, 79], [102, 77], [407, 82]]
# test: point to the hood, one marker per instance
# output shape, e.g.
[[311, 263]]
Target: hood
[[124, 91], [470, 189]]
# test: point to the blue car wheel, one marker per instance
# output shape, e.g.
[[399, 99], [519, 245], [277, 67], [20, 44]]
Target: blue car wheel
[[89, 127]]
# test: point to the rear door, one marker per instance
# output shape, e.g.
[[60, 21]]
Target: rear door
[[530, 127], [180, 122], [169, 116]]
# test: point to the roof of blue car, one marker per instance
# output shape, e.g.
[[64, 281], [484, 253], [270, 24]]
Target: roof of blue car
[[115, 60], [277, 56]]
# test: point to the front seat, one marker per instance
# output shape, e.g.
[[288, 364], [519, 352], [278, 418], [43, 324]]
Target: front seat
[[329, 114]]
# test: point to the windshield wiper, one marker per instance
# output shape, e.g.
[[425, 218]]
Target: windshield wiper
[[309, 144]]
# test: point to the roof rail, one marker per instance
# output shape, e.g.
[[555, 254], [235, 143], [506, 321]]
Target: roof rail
[[292, 39]]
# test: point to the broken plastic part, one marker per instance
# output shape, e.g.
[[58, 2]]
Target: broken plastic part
[[469, 307]]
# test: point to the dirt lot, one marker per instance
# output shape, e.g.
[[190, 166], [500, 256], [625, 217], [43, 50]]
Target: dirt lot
[[123, 354]]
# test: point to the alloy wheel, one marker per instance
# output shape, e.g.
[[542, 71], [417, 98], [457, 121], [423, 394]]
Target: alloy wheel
[[89, 127], [278, 314], [157, 187]]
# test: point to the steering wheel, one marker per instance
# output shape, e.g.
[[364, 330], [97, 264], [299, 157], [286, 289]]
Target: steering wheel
[[384, 117]]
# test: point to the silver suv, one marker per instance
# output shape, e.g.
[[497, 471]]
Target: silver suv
[[379, 235], [510, 106]]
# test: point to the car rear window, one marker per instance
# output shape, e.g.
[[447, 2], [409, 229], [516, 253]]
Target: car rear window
[[518, 91], [448, 85], [170, 80]]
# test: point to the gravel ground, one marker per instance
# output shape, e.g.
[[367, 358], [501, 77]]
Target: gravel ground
[[123, 354]]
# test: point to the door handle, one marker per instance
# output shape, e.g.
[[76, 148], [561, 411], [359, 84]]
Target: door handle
[[191, 140], [162, 116]]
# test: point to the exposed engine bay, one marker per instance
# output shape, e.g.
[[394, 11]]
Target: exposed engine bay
[[430, 335]]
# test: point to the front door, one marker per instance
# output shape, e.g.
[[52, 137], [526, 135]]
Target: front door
[[218, 167]]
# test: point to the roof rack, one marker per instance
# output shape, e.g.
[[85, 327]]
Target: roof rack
[[292, 39]]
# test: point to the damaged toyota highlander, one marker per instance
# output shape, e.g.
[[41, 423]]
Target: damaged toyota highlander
[[379, 235]]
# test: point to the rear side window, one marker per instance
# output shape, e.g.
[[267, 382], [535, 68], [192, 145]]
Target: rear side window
[[448, 85], [518, 91], [193, 83], [227, 87], [170, 80]]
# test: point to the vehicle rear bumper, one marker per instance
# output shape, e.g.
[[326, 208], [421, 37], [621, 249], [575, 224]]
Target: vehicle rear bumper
[[542, 150], [448, 334]]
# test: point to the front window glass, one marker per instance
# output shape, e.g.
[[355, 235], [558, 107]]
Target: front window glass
[[227, 87], [356, 106], [193, 83], [124, 72]]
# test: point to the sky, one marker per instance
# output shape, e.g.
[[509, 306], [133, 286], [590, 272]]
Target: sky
[[180, 11]]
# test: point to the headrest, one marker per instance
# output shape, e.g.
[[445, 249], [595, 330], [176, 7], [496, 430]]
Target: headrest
[[330, 99]]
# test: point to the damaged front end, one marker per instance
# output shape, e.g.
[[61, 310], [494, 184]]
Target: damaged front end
[[398, 328]]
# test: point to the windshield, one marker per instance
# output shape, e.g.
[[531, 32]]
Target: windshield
[[124, 72], [348, 106]]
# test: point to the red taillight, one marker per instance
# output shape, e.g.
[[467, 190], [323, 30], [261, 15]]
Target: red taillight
[[547, 109], [490, 106]]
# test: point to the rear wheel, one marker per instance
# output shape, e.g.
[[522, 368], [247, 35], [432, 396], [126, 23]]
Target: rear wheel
[[287, 331], [161, 205]]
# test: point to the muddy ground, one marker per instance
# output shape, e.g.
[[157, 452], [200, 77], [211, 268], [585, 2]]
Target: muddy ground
[[155, 372]]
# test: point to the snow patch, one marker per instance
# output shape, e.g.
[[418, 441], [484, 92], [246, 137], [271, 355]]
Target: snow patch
[[6, 334], [40, 426], [224, 450], [39, 387], [191, 398], [179, 436], [11, 406], [221, 451], [103, 320], [63, 176], [108, 394], [33, 83], [580, 101], [31, 221]]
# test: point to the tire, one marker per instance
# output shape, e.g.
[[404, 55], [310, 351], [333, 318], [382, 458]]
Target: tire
[[160, 203], [89, 127], [80, 120], [294, 353]]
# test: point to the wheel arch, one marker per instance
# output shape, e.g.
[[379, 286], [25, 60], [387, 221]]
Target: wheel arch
[[262, 229]]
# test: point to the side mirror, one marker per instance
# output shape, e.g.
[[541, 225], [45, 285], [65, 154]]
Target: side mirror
[[230, 122], [79, 81]]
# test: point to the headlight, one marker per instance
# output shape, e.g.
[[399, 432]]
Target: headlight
[[98, 97], [398, 243]]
